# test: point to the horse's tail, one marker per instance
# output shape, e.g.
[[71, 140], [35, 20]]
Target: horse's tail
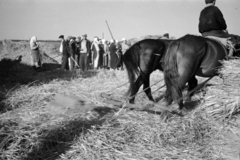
[[171, 75], [131, 60]]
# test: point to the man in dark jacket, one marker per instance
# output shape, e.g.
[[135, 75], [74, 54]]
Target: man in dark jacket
[[212, 22], [213, 25], [65, 53], [77, 51]]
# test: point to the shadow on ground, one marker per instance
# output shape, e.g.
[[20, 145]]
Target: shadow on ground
[[57, 141], [13, 74]]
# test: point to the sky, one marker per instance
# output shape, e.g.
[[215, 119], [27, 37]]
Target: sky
[[47, 19]]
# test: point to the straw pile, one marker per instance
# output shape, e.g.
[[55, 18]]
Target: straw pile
[[29, 130], [223, 99]]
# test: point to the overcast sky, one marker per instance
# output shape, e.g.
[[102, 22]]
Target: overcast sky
[[47, 19]]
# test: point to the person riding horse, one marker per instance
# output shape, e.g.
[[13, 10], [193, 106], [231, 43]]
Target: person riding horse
[[213, 25]]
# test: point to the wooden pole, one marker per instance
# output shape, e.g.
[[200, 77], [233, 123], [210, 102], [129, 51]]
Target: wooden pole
[[109, 29]]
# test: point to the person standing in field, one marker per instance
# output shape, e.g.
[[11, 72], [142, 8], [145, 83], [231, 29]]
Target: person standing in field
[[101, 52], [72, 49], [113, 55], [95, 53], [77, 52], [105, 54], [35, 53], [64, 51], [84, 53], [119, 54]]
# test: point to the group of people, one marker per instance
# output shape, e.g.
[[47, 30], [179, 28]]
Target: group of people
[[79, 52]]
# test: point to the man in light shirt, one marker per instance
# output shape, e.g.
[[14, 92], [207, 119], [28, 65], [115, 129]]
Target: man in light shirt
[[84, 53]]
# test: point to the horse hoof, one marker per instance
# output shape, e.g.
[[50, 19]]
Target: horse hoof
[[131, 102], [188, 99], [183, 111]]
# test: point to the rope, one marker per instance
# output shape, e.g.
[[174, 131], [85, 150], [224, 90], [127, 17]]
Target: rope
[[117, 87], [138, 92], [74, 61], [146, 89]]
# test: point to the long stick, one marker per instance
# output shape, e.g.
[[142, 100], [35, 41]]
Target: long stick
[[109, 30], [74, 61]]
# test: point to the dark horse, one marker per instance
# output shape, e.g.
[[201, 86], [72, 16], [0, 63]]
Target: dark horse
[[187, 57], [141, 59]]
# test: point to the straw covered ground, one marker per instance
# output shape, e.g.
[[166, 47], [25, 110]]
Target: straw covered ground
[[30, 130], [222, 99]]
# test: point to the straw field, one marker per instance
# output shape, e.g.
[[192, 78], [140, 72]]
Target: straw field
[[31, 130]]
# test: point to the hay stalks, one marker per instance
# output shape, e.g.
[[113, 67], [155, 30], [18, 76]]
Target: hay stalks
[[222, 100], [29, 131]]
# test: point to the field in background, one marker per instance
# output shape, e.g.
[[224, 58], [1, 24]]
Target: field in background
[[56, 43], [29, 129]]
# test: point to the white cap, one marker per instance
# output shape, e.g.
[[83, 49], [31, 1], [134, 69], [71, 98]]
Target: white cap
[[123, 39], [95, 39]]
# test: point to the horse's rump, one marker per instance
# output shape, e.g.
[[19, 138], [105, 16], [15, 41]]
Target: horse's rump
[[189, 56], [215, 52]]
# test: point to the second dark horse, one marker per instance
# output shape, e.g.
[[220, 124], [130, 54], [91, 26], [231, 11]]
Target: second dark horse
[[187, 57], [141, 59]]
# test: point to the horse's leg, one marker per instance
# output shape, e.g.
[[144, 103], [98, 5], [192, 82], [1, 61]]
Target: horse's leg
[[184, 77], [192, 83], [146, 85], [169, 100], [134, 89]]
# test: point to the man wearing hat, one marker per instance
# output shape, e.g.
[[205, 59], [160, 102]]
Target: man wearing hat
[[85, 56], [105, 54], [65, 54], [212, 25]]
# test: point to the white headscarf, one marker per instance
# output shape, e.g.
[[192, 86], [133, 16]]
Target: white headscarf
[[33, 42], [112, 41], [123, 39], [33, 39]]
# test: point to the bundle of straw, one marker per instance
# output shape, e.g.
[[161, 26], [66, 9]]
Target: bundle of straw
[[222, 99]]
